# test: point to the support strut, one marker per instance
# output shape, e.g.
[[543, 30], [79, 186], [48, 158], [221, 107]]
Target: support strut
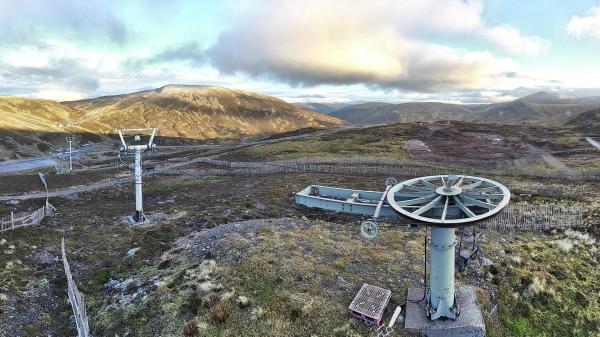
[[138, 216], [441, 294]]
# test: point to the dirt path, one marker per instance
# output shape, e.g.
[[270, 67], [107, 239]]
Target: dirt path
[[66, 191]]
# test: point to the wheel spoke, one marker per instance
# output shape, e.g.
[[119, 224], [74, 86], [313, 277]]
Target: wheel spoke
[[412, 194], [428, 206], [419, 188], [473, 185], [468, 200], [460, 181], [483, 190], [485, 196], [464, 208], [428, 183], [416, 201], [445, 212]]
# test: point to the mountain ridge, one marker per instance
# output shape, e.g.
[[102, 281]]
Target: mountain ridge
[[541, 108]]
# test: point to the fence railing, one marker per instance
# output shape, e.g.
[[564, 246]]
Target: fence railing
[[535, 217], [75, 298], [514, 216], [383, 165], [24, 219]]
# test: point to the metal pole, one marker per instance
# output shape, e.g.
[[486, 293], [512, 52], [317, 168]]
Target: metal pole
[[139, 212], [70, 159], [441, 279]]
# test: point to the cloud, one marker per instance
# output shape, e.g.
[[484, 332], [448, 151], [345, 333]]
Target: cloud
[[380, 43], [587, 25], [86, 20], [511, 40], [190, 53]]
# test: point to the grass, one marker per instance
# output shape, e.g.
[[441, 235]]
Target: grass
[[298, 282], [543, 291], [384, 141]]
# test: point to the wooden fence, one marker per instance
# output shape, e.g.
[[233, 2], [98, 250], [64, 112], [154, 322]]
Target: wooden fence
[[24, 219], [75, 298]]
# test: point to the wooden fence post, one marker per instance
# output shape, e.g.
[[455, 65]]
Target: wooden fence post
[[12, 220]]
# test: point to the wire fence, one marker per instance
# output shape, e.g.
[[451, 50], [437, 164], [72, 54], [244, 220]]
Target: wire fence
[[381, 165], [513, 217], [75, 298], [25, 219], [535, 217]]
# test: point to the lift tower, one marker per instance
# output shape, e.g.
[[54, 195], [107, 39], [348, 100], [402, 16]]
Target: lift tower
[[137, 147], [442, 202]]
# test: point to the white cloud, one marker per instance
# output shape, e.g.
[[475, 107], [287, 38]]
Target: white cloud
[[377, 43], [511, 40], [587, 25]]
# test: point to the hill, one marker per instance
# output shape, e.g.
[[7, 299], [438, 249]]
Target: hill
[[591, 117], [385, 113], [197, 112], [541, 108], [32, 127], [324, 108]]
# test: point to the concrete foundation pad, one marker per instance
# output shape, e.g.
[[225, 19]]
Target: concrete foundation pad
[[133, 222], [468, 324]]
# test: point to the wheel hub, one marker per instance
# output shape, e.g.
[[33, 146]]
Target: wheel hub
[[449, 190]]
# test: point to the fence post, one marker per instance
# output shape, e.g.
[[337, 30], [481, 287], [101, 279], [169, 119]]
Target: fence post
[[12, 220]]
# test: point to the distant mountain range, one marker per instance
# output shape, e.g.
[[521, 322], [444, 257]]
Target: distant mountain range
[[542, 108], [192, 112], [324, 108]]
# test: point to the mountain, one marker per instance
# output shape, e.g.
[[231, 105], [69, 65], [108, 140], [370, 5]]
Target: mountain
[[34, 114], [383, 113], [324, 108], [32, 127], [543, 97], [541, 108], [359, 113], [591, 117], [197, 112]]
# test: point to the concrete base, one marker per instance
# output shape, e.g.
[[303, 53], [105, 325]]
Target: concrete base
[[132, 221], [468, 324]]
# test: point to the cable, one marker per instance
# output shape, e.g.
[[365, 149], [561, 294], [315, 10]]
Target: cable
[[462, 232]]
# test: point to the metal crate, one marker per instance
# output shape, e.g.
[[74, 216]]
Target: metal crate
[[370, 303]]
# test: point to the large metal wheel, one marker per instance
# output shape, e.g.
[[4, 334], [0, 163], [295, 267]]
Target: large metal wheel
[[448, 200]]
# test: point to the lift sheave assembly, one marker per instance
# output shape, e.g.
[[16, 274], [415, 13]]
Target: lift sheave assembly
[[443, 202], [137, 147]]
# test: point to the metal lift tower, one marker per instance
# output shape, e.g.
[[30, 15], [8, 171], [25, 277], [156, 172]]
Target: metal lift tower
[[137, 147], [442, 202], [70, 139]]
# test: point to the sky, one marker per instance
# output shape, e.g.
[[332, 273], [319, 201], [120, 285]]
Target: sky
[[465, 51]]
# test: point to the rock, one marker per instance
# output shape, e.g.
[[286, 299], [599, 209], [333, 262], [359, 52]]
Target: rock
[[127, 285], [112, 284], [243, 301], [485, 261], [45, 257], [132, 251]]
